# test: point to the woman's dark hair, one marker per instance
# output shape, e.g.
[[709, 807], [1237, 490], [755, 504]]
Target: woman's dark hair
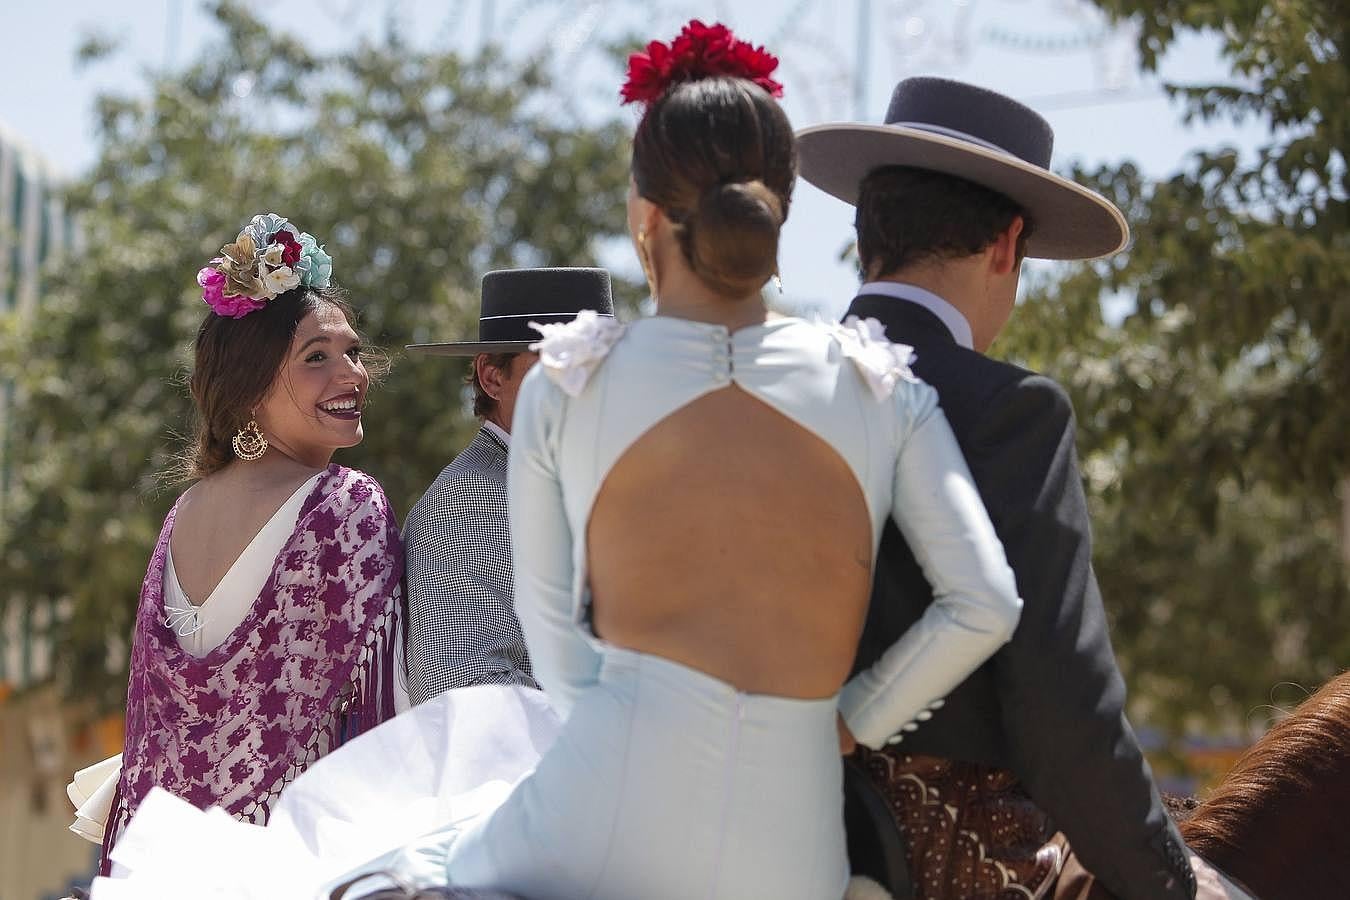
[[718, 156], [1277, 820], [235, 363], [907, 215]]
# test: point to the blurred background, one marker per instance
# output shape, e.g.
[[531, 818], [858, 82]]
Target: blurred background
[[427, 142]]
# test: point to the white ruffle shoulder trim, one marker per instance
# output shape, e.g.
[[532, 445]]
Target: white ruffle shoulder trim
[[91, 792], [571, 351], [882, 364]]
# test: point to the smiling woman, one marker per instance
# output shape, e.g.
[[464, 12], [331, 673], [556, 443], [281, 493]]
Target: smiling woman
[[313, 406], [286, 375], [268, 630]]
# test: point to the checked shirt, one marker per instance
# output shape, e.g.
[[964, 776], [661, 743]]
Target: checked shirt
[[462, 627]]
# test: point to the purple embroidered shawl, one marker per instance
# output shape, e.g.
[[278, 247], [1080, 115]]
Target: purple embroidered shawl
[[310, 665]]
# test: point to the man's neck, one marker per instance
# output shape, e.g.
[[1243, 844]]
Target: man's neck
[[953, 284], [502, 434], [951, 318], [962, 283]]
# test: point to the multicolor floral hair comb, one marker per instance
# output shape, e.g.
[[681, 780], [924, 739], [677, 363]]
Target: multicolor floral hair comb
[[698, 51], [270, 256]]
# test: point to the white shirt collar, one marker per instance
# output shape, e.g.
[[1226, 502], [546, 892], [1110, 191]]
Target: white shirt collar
[[949, 315], [502, 434]]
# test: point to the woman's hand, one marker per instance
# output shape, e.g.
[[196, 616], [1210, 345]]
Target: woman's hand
[[847, 743]]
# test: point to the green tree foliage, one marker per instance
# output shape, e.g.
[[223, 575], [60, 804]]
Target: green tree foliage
[[419, 169], [1215, 418]]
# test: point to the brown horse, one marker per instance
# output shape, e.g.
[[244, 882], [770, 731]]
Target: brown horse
[[1279, 822]]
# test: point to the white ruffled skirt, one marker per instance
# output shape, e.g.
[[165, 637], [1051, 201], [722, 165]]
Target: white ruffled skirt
[[443, 763], [664, 784]]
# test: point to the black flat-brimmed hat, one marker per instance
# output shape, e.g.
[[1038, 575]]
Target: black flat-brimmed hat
[[513, 298], [976, 134]]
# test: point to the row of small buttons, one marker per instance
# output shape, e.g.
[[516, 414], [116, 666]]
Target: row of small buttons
[[923, 715], [722, 357]]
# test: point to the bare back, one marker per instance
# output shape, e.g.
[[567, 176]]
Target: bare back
[[682, 491], [733, 540], [221, 514]]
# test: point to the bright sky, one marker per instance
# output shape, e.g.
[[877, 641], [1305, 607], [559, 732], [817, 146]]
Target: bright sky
[[1056, 55]]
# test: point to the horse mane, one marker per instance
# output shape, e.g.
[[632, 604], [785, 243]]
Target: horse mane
[[1277, 820]]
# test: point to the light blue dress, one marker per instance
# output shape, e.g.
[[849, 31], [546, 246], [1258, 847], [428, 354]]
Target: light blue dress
[[666, 782]]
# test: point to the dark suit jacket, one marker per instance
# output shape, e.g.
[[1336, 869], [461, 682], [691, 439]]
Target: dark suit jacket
[[1049, 705]]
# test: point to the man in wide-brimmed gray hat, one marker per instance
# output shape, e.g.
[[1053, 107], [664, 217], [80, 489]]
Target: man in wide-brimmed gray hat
[[462, 626], [952, 191]]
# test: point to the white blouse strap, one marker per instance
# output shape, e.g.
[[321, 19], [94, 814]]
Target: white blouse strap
[[571, 351]]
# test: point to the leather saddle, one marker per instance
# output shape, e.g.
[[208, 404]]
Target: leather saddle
[[876, 846], [925, 826]]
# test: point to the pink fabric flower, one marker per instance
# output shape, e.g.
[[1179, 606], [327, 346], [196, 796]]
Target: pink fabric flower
[[212, 284], [234, 306]]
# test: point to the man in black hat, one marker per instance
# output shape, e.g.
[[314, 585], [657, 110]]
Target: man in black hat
[[462, 627], [952, 192]]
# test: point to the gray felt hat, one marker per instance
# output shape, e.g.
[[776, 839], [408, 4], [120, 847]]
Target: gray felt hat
[[976, 134], [513, 298]]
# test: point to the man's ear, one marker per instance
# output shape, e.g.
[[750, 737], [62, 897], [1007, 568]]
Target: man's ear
[[1003, 255], [490, 377]]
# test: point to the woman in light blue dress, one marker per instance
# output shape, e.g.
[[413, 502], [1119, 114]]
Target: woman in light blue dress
[[696, 500]]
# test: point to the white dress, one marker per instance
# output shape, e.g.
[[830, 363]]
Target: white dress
[[444, 762]]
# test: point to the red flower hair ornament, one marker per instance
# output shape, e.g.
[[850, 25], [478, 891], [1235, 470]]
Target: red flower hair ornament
[[698, 51]]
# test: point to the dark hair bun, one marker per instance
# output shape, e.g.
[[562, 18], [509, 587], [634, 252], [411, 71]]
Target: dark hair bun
[[718, 157], [731, 239]]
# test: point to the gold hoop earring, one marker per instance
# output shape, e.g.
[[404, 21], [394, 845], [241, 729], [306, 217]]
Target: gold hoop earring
[[249, 444], [645, 261]]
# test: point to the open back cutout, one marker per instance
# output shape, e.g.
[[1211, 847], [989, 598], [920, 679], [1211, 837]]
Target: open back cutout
[[732, 538]]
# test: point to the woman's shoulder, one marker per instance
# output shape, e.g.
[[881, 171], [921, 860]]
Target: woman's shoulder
[[859, 346], [571, 352], [351, 489], [347, 505]]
